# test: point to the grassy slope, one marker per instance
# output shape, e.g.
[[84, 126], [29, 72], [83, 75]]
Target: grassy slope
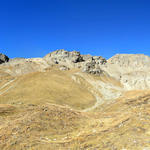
[[122, 124], [53, 86], [38, 127]]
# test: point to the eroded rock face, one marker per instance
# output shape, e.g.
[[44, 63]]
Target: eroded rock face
[[3, 58], [93, 65], [61, 56], [134, 61], [133, 70], [87, 63]]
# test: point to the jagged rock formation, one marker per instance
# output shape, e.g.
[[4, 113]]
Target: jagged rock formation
[[62, 56], [74, 59], [3, 58], [93, 65]]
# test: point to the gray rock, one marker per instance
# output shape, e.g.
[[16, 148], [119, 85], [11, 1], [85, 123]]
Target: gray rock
[[133, 70], [100, 60], [3, 58], [74, 59], [86, 57], [61, 56], [63, 68], [93, 65]]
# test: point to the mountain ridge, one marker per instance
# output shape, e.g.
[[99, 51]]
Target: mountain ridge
[[120, 66]]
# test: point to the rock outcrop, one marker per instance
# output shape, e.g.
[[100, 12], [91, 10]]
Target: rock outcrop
[[133, 70], [131, 61], [3, 58], [62, 56], [64, 59], [93, 64], [87, 63]]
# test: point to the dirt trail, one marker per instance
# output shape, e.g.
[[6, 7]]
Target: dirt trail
[[98, 102], [5, 85], [102, 91], [98, 99]]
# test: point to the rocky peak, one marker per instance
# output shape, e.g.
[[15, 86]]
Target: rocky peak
[[88, 63], [3, 58], [62, 55]]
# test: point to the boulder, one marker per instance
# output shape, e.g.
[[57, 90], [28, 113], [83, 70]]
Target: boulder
[[3, 58]]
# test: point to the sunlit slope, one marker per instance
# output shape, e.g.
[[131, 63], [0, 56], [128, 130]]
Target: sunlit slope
[[123, 124], [4, 77], [52, 86], [43, 127]]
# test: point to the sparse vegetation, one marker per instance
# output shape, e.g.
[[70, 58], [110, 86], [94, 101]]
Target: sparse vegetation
[[67, 109]]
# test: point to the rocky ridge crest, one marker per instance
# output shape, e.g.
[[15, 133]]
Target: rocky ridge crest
[[132, 70], [74, 59]]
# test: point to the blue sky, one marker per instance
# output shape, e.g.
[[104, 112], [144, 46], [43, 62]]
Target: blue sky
[[33, 28]]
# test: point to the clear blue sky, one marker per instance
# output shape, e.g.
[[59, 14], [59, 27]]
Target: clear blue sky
[[32, 28]]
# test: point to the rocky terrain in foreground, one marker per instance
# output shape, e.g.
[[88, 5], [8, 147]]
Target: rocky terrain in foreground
[[70, 101]]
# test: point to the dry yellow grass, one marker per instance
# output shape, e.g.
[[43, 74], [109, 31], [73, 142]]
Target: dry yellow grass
[[43, 112], [34, 126], [53, 86], [108, 79], [124, 124]]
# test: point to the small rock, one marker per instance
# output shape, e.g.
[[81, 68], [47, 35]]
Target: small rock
[[63, 68]]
